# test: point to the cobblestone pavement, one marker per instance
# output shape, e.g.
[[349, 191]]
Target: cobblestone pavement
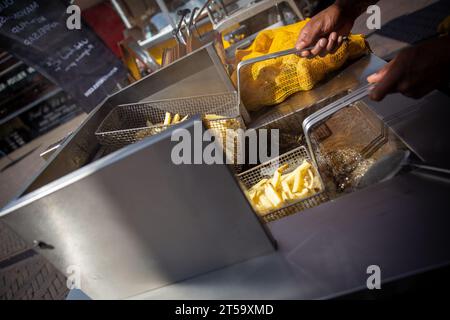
[[24, 274]]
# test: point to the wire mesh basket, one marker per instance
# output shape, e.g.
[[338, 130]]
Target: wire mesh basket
[[293, 158], [129, 123]]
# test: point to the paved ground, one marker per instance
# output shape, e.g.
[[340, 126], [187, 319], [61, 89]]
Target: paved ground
[[26, 275]]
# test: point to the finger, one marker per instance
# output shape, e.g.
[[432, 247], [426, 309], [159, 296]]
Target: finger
[[390, 76], [305, 53], [320, 45], [339, 41], [379, 75], [308, 36], [332, 40]]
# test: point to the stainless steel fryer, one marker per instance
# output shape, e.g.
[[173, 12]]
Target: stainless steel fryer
[[136, 222], [125, 123]]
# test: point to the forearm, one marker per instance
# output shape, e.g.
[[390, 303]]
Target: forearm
[[354, 8]]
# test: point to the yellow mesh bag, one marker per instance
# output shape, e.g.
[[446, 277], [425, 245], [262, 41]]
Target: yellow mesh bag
[[271, 81]]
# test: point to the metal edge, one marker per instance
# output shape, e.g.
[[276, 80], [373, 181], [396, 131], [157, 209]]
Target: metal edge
[[90, 168]]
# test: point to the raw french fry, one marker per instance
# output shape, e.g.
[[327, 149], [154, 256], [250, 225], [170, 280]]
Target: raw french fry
[[168, 118], [264, 202], [260, 183], [283, 167], [311, 179], [184, 118], [289, 177], [285, 186], [213, 117], [298, 181], [269, 194], [276, 179], [273, 196], [252, 194], [176, 118], [301, 194]]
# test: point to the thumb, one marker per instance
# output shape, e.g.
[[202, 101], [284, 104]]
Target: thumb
[[379, 75]]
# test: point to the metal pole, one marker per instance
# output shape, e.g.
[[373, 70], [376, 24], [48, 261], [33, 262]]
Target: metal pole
[[122, 14]]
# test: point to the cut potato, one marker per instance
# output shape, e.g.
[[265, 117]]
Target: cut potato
[[281, 189], [273, 195], [176, 118], [276, 179], [167, 119]]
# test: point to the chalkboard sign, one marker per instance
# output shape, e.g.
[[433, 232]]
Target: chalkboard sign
[[77, 60]]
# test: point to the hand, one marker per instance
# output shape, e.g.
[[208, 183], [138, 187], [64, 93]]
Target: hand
[[325, 30], [415, 71]]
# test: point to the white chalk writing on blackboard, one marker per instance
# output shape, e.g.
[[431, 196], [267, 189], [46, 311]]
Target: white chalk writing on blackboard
[[99, 82], [18, 14]]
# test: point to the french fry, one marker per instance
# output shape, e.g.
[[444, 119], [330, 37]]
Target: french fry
[[167, 119], [285, 186], [302, 194], [298, 181], [276, 179], [265, 203], [176, 118], [283, 167], [272, 195], [184, 118], [260, 183]]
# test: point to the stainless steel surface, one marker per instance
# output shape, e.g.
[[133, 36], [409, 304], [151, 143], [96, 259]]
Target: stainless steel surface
[[128, 123], [130, 230], [251, 10], [330, 109], [422, 124], [142, 54], [198, 73], [325, 251], [50, 150], [108, 227], [293, 158]]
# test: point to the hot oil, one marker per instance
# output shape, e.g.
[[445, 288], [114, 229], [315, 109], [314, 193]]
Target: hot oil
[[355, 140]]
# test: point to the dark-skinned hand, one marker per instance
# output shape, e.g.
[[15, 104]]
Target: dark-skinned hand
[[415, 71], [325, 31]]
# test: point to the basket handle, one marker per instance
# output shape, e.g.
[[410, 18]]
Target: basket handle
[[330, 109]]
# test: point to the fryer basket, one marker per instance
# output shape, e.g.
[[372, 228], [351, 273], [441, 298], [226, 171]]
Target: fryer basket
[[293, 158], [127, 123]]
